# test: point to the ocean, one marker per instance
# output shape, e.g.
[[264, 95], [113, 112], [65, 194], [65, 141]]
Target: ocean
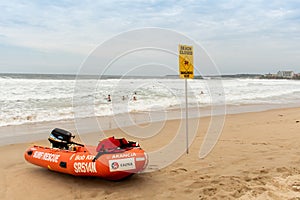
[[45, 98]]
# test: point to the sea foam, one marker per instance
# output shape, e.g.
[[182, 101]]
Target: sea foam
[[26, 100]]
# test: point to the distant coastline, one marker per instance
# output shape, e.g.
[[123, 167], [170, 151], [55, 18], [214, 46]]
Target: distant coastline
[[290, 75], [283, 75], [279, 75]]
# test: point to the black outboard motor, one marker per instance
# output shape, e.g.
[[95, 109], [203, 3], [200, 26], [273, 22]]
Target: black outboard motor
[[60, 138]]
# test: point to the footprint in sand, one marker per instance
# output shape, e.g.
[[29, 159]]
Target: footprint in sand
[[210, 191], [178, 170], [197, 184], [296, 187], [282, 169]]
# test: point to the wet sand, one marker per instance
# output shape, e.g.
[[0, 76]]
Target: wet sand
[[256, 157]]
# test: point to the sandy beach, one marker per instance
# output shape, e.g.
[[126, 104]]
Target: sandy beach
[[256, 157]]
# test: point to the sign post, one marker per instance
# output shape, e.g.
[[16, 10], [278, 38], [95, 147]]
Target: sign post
[[186, 71]]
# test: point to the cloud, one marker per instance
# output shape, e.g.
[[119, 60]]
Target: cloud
[[86, 22], [77, 27]]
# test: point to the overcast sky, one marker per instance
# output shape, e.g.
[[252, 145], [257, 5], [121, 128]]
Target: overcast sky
[[240, 36]]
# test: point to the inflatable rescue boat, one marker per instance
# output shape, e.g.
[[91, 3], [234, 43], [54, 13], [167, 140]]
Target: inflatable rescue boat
[[112, 159]]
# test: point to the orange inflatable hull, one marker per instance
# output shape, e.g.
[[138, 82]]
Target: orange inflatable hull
[[110, 166]]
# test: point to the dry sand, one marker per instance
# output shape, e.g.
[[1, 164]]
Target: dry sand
[[257, 157]]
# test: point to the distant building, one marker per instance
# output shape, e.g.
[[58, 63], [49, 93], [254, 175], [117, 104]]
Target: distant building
[[269, 75], [297, 76], [285, 74]]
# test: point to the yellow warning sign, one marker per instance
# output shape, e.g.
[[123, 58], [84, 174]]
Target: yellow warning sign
[[186, 61]]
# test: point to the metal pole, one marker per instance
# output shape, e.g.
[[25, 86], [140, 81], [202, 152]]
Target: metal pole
[[186, 119]]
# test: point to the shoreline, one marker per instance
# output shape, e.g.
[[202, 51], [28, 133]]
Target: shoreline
[[35, 131]]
